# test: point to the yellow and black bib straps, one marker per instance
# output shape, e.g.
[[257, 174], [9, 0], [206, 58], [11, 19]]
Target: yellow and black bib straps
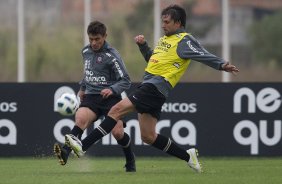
[[165, 61]]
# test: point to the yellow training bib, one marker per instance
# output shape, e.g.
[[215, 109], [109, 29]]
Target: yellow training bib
[[165, 62]]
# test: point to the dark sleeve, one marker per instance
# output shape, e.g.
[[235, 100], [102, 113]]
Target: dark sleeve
[[190, 48], [145, 50], [121, 76], [82, 85], [82, 82]]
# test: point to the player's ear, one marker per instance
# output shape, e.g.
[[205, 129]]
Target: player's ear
[[178, 23]]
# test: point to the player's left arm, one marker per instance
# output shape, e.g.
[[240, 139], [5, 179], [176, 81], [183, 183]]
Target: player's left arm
[[190, 48], [121, 77], [144, 48]]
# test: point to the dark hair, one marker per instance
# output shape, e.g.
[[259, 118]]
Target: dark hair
[[96, 27], [176, 13]]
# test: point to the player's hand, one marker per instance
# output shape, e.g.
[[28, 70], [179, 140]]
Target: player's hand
[[139, 39], [106, 93], [230, 68], [81, 95]]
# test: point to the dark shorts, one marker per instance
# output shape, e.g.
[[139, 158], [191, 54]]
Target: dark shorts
[[147, 99], [99, 105]]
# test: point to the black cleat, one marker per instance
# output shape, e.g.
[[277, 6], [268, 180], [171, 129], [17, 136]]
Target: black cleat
[[61, 154], [130, 166]]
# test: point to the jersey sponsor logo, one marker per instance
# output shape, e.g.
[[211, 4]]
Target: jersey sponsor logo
[[108, 54], [177, 65], [154, 61], [89, 77], [194, 49], [163, 45], [96, 80], [118, 67]]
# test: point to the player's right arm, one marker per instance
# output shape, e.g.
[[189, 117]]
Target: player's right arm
[[81, 91], [145, 50], [190, 48], [81, 94]]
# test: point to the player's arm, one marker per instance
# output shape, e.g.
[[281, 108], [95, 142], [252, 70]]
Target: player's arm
[[82, 83], [82, 89], [81, 95], [190, 48], [145, 50], [121, 76]]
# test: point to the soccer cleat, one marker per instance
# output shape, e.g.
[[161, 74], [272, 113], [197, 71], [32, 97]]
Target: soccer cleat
[[130, 166], [75, 144], [193, 161], [61, 154]]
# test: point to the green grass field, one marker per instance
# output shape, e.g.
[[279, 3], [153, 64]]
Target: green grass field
[[149, 170]]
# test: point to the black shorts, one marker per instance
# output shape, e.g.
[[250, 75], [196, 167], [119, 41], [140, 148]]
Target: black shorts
[[99, 105], [147, 99]]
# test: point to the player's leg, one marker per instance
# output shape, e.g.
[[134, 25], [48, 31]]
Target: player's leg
[[117, 111], [148, 134], [83, 118], [124, 141]]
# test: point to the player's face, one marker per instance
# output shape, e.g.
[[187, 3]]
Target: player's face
[[169, 26], [97, 41]]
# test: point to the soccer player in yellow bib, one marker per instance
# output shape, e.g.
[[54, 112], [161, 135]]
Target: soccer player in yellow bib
[[166, 64]]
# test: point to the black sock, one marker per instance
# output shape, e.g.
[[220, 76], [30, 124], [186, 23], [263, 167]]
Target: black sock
[[166, 145], [103, 129], [126, 147], [76, 131]]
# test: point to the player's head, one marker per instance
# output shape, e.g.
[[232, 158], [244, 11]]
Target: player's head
[[173, 18], [97, 33]]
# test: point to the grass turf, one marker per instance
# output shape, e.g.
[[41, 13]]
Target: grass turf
[[165, 170]]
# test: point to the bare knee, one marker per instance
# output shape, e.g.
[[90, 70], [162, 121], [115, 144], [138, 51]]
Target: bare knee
[[81, 123], [115, 112], [120, 109], [118, 131], [84, 117], [148, 138]]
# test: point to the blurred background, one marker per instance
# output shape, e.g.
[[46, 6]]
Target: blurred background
[[54, 36]]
